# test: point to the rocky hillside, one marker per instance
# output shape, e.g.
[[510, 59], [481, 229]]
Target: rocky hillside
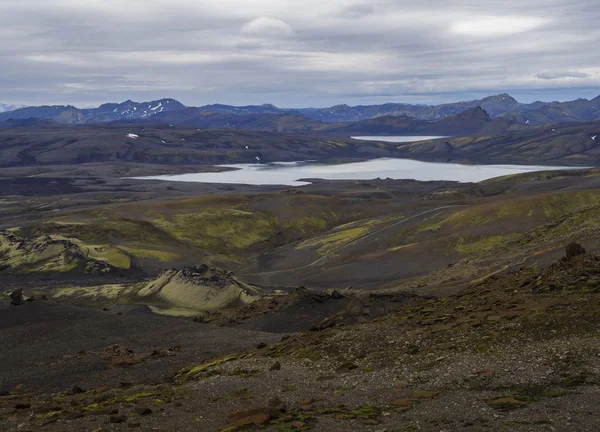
[[580, 110], [515, 352], [195, 289], [44, 255], [161, 144], [491, 141], [565, 144]]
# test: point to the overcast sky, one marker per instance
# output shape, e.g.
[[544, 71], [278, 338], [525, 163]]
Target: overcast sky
[[297, 53]]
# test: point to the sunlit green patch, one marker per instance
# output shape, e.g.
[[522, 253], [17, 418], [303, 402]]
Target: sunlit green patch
[[158, 255]]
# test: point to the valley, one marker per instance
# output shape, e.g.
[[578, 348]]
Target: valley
[[349, 297], [277, 216], [332, 304]]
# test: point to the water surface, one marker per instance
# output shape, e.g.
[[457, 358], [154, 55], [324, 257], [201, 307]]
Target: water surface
[[289, 173], [396, 139]]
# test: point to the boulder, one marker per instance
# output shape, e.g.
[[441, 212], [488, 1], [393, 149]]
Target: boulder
[[574, 249], [277, 403], [72, 415], [142, 411], [118, 418], [22, 405], [77, 390], [257, 416], [346, 367], [16, 297]]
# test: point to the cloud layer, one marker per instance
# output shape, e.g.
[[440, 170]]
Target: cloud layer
[[309, 53]]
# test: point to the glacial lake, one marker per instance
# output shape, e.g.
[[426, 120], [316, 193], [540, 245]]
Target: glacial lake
[[290, 173], [398, 139]]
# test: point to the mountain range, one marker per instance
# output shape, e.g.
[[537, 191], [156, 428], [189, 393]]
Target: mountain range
[[174, 112], [474, 121], [105, 113]]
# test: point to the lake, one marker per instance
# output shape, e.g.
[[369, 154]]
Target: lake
[[289, 173], [398, 139]]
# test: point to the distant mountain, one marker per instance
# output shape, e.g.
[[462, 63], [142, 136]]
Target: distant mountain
[[494, 105], [41, 112], [306, 119], [242, 110], [256, 122], [580, 110], [8, 107], [346, 113], [474, 121], [106, 113], [130, 110], [564, 144]]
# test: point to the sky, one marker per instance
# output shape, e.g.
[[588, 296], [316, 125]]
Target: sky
[[308, 53]]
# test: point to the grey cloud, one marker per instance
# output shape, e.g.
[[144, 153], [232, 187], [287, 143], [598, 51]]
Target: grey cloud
[[357, 10], [310, 53], [559, 75]]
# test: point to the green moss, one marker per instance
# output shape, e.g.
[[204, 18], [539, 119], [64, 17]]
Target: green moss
[[102, 294], [49, 415], [131, 398], [220, 229], [365, 412], [331, 242], [161, 256], [171, 311], [308, 226], [574, 380], [205, 367], [243, 393], [397, 248], [135, 397], [105, 252], [431, 224]]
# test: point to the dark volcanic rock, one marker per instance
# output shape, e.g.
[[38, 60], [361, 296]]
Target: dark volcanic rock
[[346, 367], [257, 416], [72, 415], [22, 405], [118, 419], [77, 390], [16, 297], [142, 411], [573, 250]]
